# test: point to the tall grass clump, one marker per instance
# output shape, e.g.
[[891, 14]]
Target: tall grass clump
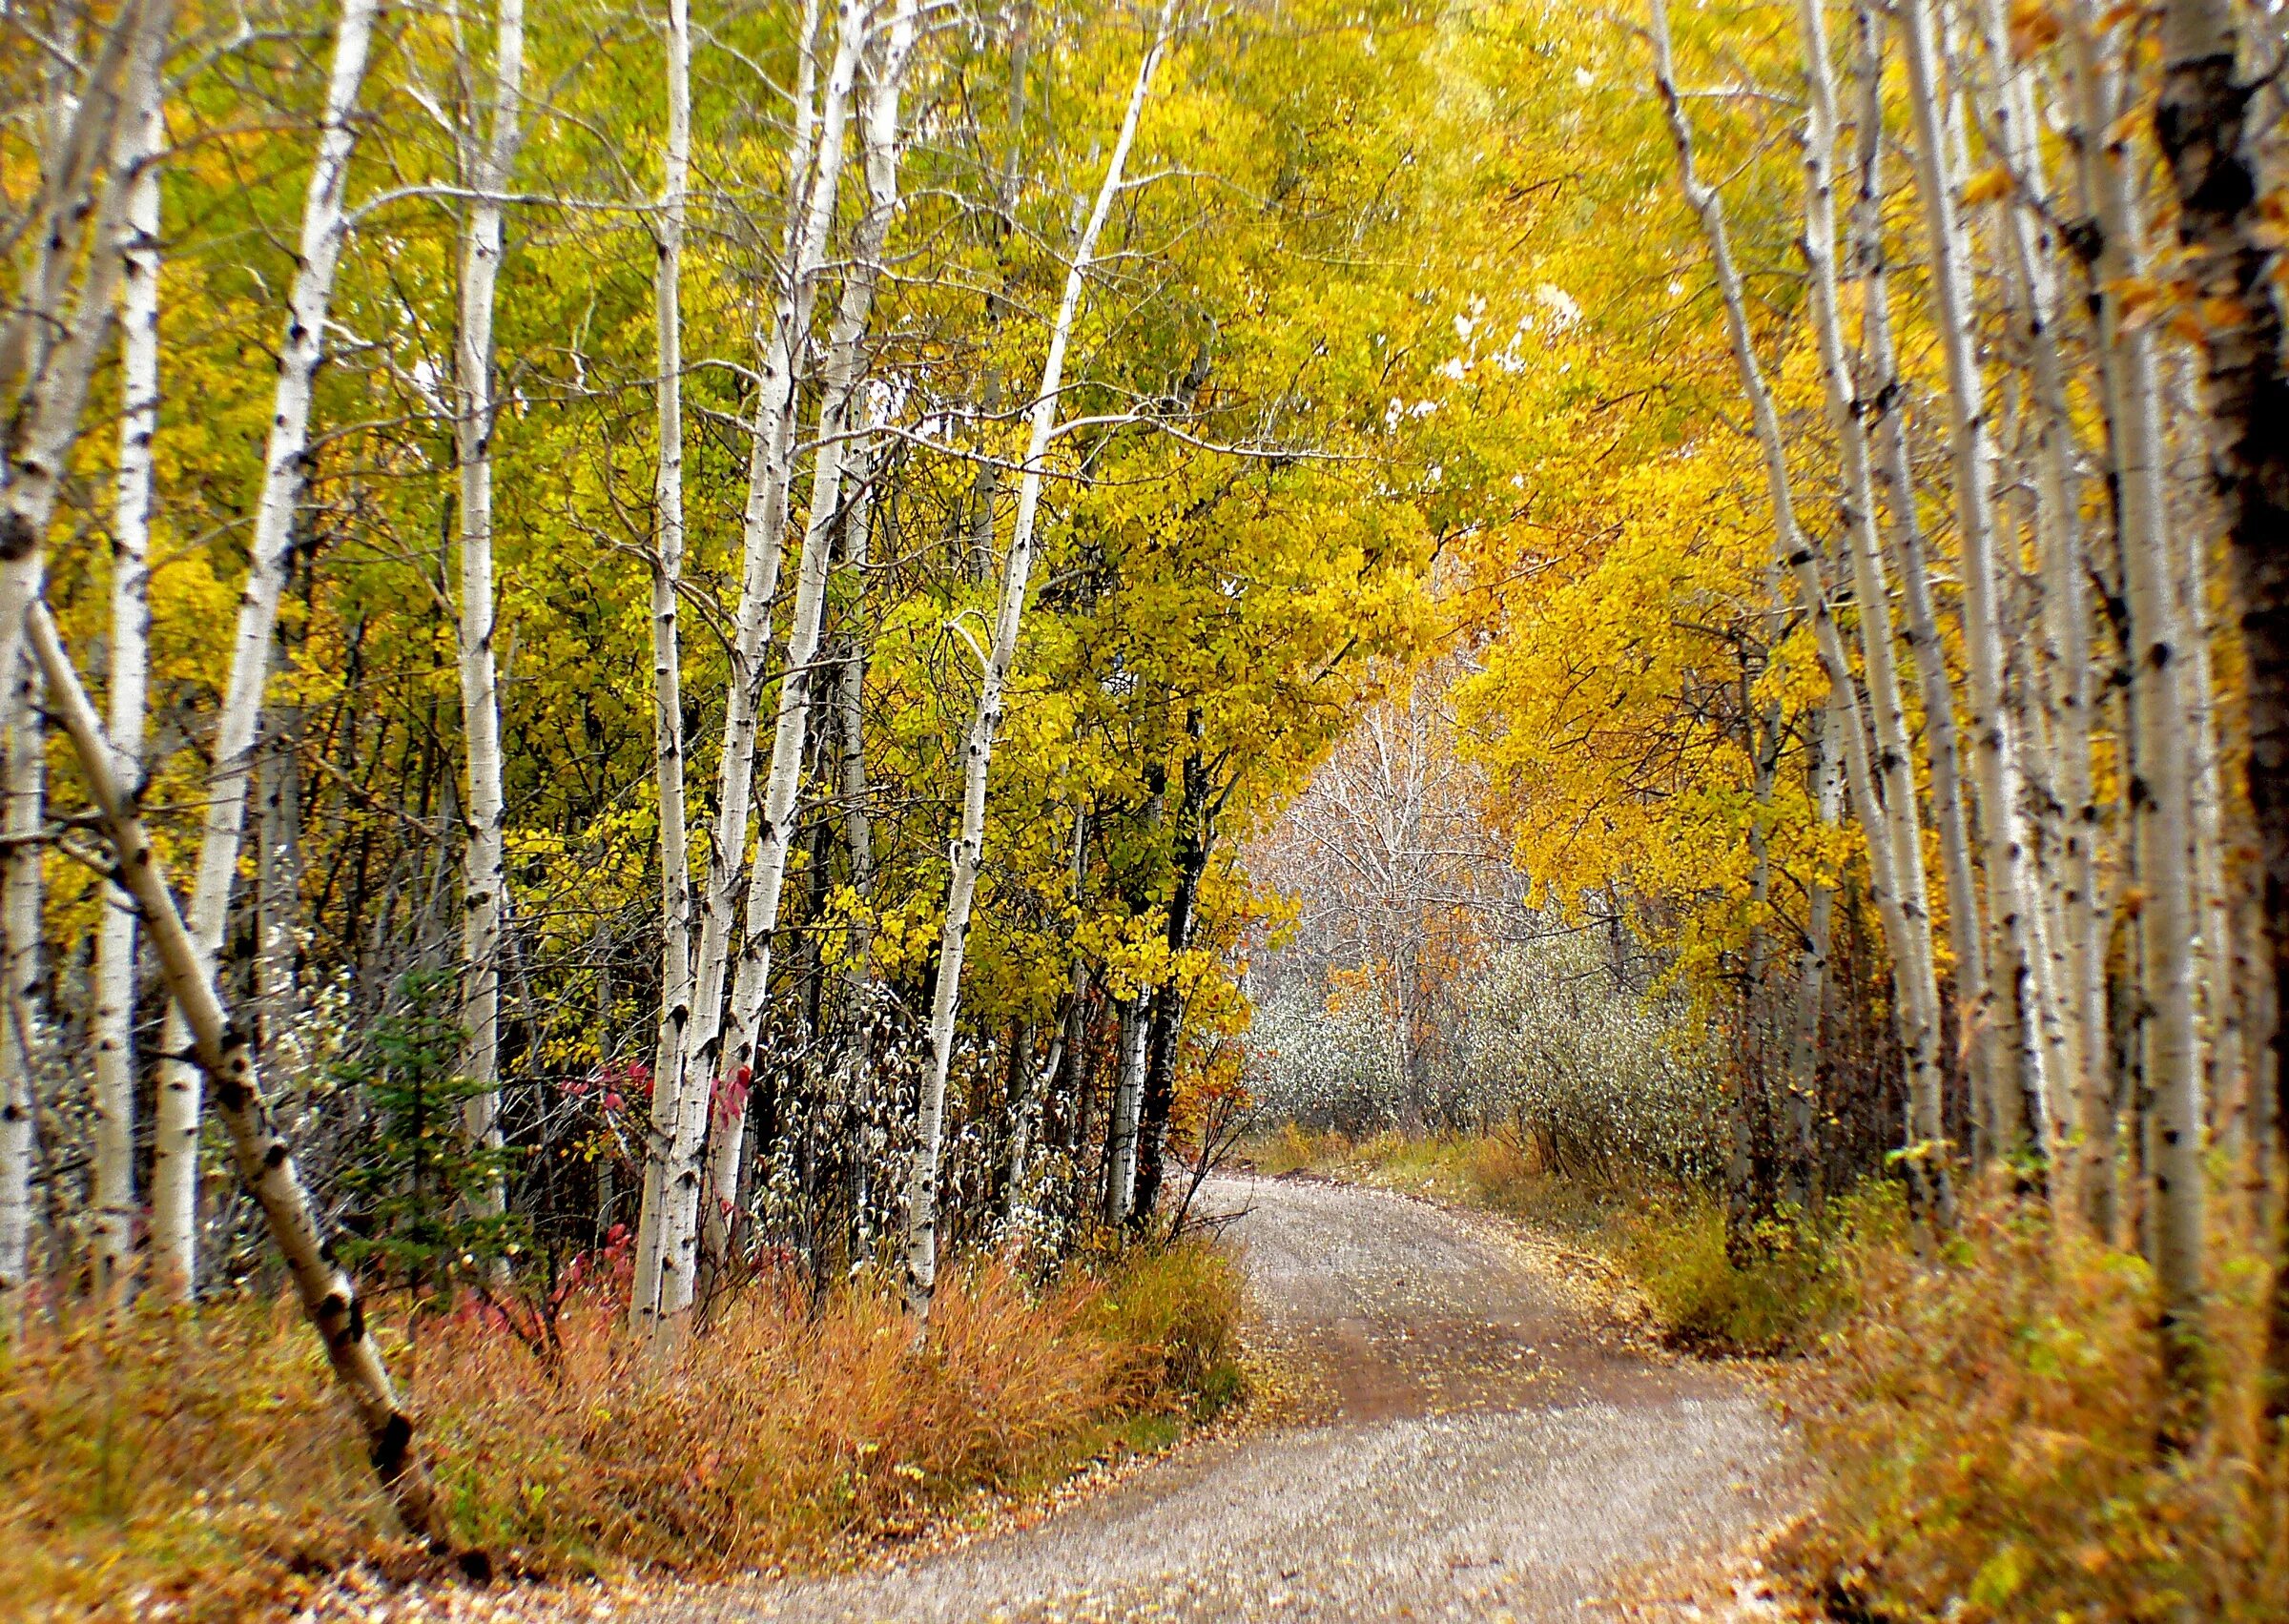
[[193, 1459]]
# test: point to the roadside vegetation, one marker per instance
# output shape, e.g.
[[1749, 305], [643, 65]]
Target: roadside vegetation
[[189, 1462]]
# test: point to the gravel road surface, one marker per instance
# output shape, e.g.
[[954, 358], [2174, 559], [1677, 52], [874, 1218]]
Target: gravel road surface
[[1491, 1454]]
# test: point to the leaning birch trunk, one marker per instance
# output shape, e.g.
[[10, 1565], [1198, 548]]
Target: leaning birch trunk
[[1017, 568], [1915, 961], [2209, 127], [175, 1151], [2010, 961], [220, 1047], [115, 1063], [20, 988], [485, 870], [1884, 393], [769, 489], [1916, 1019], [669, 1107]]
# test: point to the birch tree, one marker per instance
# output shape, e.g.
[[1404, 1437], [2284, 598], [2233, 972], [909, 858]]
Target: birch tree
[[285, 471], [669, 1105], [142, 138], [1883, 392], [1918, 1012], [19, 985], [2012, 987], [961, 886], [812, 198], [485, 162], [56, 335]]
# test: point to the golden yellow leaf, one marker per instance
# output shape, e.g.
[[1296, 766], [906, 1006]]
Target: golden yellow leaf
[[2033, 25], [1987, 186]]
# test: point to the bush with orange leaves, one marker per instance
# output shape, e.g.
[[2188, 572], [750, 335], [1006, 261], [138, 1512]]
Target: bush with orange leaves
[[196, 1459], [1988, 1422]]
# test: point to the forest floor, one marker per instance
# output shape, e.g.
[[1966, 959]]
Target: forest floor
[[1469, 1428]]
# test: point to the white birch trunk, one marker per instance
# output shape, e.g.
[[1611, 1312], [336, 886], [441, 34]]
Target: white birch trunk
[[175, 1157], [2074, 1005], [1916, 1017], [838, 421], [1914, 959], [770, 469], [486, 870], [1121, 1122], [1884, 393], [113, 1146], [1822, 729], [2132, 393], [810, 201], [53, 339], [962, 887], [19, 987], [2012, 968], [669, 1107], [329, 1299]]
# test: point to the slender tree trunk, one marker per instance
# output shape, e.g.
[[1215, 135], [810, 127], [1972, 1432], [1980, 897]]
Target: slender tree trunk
[[115, 1095], [921, 1202], [1159, 1098], [2209, 125], [286, 472], [1884, 395], [840, 421], [52, 340], [1914, 960], [809, 172], [2012, 986], [2111, 241], [673, 1110], [1121, 1120], [488, 163], [1823, 764], [1916, 1017], [2071, 1017], [20, 991]]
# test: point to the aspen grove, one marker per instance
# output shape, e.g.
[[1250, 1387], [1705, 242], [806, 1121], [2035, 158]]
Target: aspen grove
[[659, 653]]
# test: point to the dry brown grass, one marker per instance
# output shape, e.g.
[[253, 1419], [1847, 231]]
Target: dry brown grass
[[199, 1459]]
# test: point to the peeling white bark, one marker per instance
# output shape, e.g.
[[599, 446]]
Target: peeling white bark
[[114, 1145]]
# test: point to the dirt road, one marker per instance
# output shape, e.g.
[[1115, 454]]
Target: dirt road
[[1493, 1454]]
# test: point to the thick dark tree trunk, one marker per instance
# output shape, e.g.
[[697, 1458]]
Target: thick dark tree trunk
[[2208, 125]]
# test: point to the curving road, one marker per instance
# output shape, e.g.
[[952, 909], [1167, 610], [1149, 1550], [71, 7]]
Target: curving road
[[1491, 1454]]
